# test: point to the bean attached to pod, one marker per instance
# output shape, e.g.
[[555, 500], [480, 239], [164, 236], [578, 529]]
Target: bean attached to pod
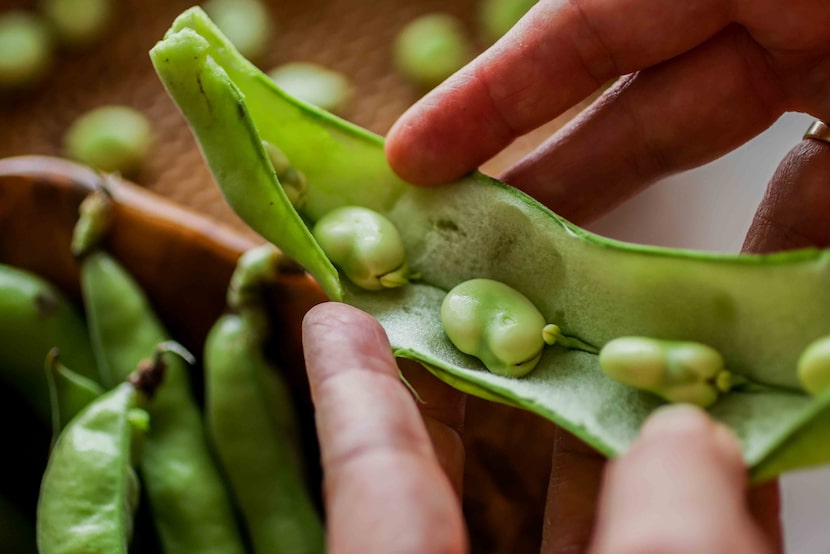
[[500, 326], [814, 366], [687, 372], [293, 182], [365, 245]]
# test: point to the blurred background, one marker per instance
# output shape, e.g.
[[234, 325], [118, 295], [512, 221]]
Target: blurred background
[[367, 67]]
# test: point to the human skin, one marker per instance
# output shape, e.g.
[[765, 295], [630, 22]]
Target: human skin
[[699, 78]]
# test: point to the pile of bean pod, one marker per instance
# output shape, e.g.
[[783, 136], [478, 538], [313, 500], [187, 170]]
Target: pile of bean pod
[[117, 453]]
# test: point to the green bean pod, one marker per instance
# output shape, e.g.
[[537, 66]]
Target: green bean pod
[[594, 288], [90, 491], [190, 505], [251, 419], [257, 456], [35, 317]]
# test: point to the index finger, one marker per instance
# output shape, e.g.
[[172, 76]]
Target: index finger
[[558, 54], [385, 490]]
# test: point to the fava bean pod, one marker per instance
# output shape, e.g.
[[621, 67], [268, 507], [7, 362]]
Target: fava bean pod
[[594, 289]]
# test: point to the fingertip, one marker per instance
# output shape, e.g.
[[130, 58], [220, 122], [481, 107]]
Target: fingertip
[[692, 425], [414, 154]]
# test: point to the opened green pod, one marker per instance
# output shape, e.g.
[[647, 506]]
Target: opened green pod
[[759, 312]]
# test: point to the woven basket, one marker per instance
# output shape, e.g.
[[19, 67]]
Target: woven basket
[[504, 495]]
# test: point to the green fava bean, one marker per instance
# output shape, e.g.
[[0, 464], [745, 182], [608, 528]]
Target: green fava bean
[[365, 245], [90, 490], [430, 48], [110, 138], [594, 288], [814, 366], [25, 49], [246, 22], [315, 84], [293, 182], [678, 372], [79, 22], [497, 324]]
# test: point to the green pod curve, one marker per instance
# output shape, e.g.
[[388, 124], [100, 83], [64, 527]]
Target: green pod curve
[[34, 318], [90, 491], [69, 392], [188, 499], [257, 455], [595, 289]]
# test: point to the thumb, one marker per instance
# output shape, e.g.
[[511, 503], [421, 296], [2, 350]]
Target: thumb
[[681, 488]]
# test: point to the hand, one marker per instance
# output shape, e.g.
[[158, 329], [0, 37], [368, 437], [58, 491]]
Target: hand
[[700, 78], [392, 479], [393, 476]]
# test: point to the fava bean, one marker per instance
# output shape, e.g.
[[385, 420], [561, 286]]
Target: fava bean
[[79, 22], [496, 17], [292, 181], [814, 366], [365, 245], [313, 83], [498, 325], [247, 24], [687, 372], [25, 49], [110, 138], [430, 48]]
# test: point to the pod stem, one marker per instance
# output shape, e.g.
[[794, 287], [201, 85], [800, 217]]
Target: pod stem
[[95, 220], [726, 381], [258, 267], [150, 372], [552, 334]]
